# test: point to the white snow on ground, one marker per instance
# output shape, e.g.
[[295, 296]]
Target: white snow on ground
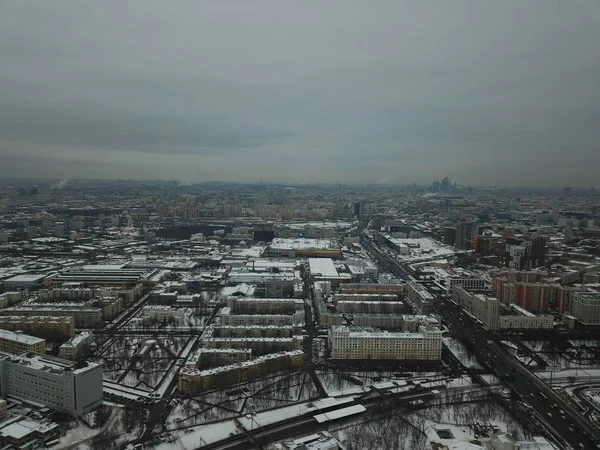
[[460, 381], [199, 436], [536, 346], [593, 395], [81, 433], [588, 343], [268, 417], [563, 376], [510, 344], [491, 379], [457, 348]]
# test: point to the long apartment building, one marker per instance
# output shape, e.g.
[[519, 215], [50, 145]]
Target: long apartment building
[[193, 381], [487, 309], [83, 315], [253, 331], [259, 346], [205, 358], [367, 307], [228, 318], [59, 328], [54, 382], [17, 343], [264, 305], [369, 343], [367, 288]]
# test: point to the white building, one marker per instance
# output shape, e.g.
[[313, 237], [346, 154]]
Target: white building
[[369, 343], [54, 382], [586, 307], [162, 312], [76, 345]]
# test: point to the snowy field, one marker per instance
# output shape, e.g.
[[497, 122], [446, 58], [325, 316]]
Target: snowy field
[[579, 353], [417, 430], [461, 352], [128, 363]]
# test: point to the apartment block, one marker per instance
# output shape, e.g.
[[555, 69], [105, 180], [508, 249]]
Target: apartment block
[[194, 381], [586, 307], [264, 305], [82, 315], [267, 331], [419, 298], [58, 328], [482, 306], [369, 343], [227, 318], [17, 343], [259, 346], [367, 288], [54, 382], [367, 307], [75, 347], [468, 283], [162, 312]]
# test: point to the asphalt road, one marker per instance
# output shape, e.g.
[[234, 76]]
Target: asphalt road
[[566, 426]]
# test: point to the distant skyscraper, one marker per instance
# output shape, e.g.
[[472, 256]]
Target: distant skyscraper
[[357, 210]]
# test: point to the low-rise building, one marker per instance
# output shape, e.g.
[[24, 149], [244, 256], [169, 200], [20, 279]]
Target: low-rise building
[[369, 343], [17, 343]]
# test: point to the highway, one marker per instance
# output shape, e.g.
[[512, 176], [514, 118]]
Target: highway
[[561, 419], [567, 425]]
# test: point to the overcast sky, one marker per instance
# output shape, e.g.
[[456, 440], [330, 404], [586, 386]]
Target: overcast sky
[[485, 92]]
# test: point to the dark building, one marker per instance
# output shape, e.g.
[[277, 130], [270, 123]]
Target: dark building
[[357, 210], [466, 231], [449, 235]]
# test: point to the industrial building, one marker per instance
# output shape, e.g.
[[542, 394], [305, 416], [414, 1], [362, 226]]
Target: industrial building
[[54, 382]]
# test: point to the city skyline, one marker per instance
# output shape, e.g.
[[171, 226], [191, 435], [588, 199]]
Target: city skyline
[[491, 95]]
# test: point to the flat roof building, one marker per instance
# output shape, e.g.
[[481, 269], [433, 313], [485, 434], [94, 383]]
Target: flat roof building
[[54, 382]]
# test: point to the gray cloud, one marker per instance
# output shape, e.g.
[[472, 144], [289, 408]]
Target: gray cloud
[[487, 93]]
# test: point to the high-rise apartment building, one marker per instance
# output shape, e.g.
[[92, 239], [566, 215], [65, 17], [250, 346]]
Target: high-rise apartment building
[[466, 231]]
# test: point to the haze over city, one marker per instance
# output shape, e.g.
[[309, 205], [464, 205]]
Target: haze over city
[[488, 93]]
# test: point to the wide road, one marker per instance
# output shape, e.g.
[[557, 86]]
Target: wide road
[[566, 425]]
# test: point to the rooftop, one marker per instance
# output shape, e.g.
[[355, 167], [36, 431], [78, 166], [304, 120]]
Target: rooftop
[[20, 337]]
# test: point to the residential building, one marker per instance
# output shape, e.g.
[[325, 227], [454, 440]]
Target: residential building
[[586, 307], [60, 328], [76, 347], [17, 343], [369, 343], [193, 381], [482, 306], [83, 315], [419, 298]]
